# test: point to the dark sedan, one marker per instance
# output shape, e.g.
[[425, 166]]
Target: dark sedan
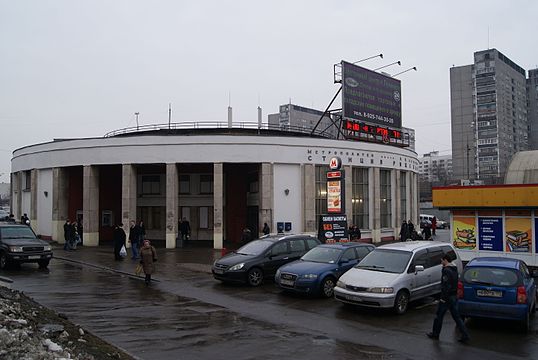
[[19, 244], [259, 259], [319, 269]]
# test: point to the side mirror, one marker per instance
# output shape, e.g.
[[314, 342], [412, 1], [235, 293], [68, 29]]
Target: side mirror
[[419, 268]]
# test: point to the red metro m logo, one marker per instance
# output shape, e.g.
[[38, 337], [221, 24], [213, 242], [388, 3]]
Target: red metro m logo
[[335, 163]]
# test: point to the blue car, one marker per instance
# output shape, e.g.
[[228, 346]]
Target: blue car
[[500, 288], [317, 271]]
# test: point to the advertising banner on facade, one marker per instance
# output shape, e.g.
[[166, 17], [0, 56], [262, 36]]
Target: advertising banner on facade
[[490, 233], [334, 196], [370, 96], [518, 235], [464, 233]]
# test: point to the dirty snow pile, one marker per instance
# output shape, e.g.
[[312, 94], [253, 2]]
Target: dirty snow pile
[[21, 335]]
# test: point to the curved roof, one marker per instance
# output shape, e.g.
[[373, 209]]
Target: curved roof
[[523, 168]]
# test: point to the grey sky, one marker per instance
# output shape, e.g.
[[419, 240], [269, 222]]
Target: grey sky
[[82, 68]]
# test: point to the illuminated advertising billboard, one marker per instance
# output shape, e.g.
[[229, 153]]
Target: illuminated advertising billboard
[[370, 96]]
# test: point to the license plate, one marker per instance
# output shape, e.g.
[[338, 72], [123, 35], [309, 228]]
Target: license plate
[[31, 257], [218, 271], [287, 282], [489, 293], [352, 298]]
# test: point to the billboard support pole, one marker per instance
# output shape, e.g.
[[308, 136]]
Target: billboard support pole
[[326, 112]]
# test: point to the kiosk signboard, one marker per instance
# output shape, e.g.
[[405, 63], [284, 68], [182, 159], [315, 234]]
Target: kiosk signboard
[[490, 233]]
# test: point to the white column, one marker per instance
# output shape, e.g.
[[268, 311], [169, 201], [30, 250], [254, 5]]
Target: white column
[[60, 203], [218, 205], [376, 230], [266, 196], [128, 197], [349, 193], [309, 198], [172, 201], [90, 205]]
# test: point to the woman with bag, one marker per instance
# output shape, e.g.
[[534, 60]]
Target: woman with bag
[[119, 241], [148, 256]]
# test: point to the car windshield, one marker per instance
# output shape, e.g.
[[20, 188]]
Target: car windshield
[[392, 261], [255, 247], [490, 276], [17, 232], [322, 255]]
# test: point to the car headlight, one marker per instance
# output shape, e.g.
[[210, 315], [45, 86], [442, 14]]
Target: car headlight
[[237, 267], [277, 275], [47, 248], [340, 284], [310, 276], [15, 248], [381, 290]]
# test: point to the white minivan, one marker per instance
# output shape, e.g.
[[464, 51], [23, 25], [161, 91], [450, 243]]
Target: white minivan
[[393, 275]]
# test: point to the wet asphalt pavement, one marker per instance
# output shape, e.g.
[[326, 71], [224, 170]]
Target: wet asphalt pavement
[[187, 314]]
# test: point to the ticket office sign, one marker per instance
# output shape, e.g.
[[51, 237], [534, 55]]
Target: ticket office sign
[[333, 229]]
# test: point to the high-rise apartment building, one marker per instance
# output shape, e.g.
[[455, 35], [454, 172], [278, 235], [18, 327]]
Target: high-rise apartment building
[[434, 167], [489, 116], [299, 118], [532, 108]]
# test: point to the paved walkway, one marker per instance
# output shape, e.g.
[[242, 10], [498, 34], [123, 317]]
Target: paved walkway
[[170, 262]]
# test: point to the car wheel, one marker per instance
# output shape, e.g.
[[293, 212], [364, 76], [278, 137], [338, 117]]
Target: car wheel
[[4, 262], [401, 302], [43, 264], [327, 287], [255, 277]]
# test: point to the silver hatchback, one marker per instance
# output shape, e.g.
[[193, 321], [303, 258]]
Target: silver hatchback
[[393, 275]]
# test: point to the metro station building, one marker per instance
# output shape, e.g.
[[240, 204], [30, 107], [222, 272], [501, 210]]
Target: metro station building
[[221, 178]]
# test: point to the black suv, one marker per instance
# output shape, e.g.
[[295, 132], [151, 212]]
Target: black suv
[[261, 258], [19, 244]]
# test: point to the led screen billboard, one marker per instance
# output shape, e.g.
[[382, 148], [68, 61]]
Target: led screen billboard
[[370, 96]]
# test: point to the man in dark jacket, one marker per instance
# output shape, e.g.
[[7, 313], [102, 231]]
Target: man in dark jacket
[[134, 239], [404, 233], [448, 301], [119, 241]]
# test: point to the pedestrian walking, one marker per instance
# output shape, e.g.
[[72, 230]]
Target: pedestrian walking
[[354, 233], [73, 236], [142, 232], [426, 232], [246, 236], [79, 231], [67, 229], [148, 256], [25, 220], [404, 233], [410, 228], [266, 229], [185, 229], [119, 241], [434, 225], [134, 239], [448, 301]]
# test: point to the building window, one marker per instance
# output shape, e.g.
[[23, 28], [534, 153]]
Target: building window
[[321, 190], [359, 197], [206, 184], [27, 180], [151, 185], [206, 217], [403, 195], [153, 217], [184, 184], [385, 200]]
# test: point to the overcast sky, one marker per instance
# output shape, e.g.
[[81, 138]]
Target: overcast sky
[[83, 68]]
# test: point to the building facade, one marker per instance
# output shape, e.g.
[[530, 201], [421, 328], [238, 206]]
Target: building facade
[[434, 167], [295, 117], [532, 108], [489, 116], [221, 180]]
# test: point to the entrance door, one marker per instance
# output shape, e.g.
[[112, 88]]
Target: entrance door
[[253, 221]]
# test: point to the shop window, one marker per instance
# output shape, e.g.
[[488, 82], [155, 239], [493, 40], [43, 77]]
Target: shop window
[[206, 217]]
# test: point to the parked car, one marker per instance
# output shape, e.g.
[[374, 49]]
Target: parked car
[[319, 269], [19, 244], [499, 288], [4, 215], [393, 275], [441, 224], [259, 259]]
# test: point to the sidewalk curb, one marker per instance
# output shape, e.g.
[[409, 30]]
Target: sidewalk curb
[[133, 276]]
